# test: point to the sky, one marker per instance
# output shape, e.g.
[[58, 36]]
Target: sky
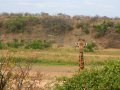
[[110, 8]]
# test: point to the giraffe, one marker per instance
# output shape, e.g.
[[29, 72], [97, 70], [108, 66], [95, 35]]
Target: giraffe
[[81, 44]]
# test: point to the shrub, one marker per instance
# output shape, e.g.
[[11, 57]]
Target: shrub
[[89, 47], [31, 20], [14, 44], [102, 28], [106, 78], [109, 24], [15, 25], [46, 44], [16, 76], [1, 45], [5, 74], [78, 25], [1, 24], [56, 24], [84, 27], [117, 27], [38, 44], [35, 44]]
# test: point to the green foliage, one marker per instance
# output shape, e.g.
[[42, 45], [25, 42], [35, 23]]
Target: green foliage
[[53, 24], [1, 45], [102, 28], [84, 27], [14, 44], [38, 44], [109, 24], [31, 20], [15, 25], [1, 24], [38, 61], [106, 78], [78, 25], [35, 44], [89, 47], [56, 24], [117, 27]]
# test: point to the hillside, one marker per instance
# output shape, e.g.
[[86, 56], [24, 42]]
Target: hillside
[[61, 30]]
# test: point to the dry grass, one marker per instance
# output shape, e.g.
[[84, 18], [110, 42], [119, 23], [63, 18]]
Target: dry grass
[[69, 56], [64, 54]]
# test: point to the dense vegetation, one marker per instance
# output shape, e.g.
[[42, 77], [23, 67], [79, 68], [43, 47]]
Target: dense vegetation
[[118, 28], [57, 27], [17, 23], [89, 47], [106, 78], [38, 44], [103, 78], [84, 27], [101, 29], [34, 44]]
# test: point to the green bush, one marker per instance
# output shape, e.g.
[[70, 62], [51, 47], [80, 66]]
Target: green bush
[[38, 44], [1, 45], [106, 78], [14, 44], [31, 20], [102, 28], [84, 27], [89, 47], [117, 27], [35, 44], [46, 44], [56, 24], [15, 25], [1, 24]]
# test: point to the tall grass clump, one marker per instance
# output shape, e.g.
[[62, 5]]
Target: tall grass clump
[[15, 44], [38, 44], [34, 44], [106, 78]]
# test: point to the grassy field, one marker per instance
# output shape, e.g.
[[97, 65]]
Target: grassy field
[[55, 63], [60, 56]]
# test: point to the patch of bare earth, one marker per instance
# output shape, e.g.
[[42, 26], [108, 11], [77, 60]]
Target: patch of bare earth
[[50, 73]]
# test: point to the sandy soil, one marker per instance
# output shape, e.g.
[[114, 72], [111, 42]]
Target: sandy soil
[[50, 73], [55, 71]]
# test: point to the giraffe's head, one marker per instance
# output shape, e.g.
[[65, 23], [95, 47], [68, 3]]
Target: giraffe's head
[[81, 43]]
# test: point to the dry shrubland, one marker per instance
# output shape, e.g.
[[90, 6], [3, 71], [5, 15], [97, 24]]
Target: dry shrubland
[[18, 76], [60, 29]]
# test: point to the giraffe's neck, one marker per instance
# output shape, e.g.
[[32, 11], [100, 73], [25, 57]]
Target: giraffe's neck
[[81, 60]]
